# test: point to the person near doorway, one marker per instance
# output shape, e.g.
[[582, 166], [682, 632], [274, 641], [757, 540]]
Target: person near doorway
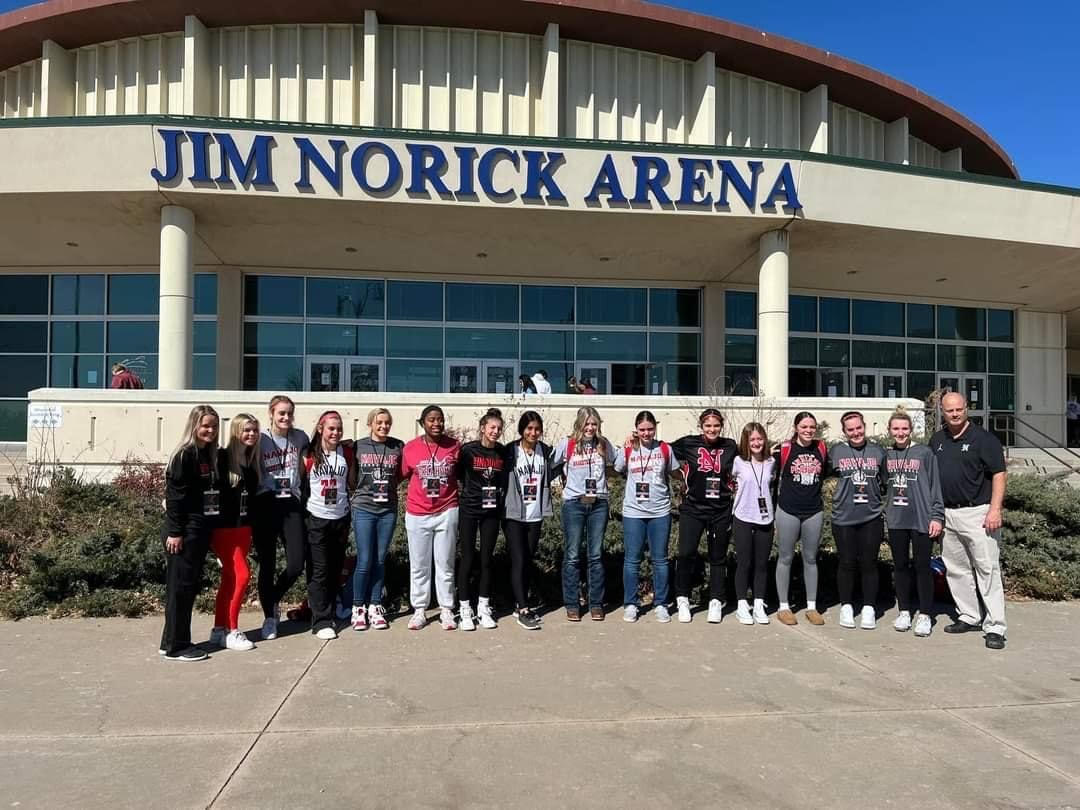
[[526, 384], [587, 387], [540, 382], [1072, 421], [125, 378]]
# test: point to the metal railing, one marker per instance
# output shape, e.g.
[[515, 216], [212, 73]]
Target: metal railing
[[1011, 425]]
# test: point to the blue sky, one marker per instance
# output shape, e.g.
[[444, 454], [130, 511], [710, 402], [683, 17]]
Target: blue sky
[[1011, 67]]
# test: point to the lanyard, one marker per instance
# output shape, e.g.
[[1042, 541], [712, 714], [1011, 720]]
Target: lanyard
[[282, 452], [590, 454], [648, 460], [903, 459], [434, 457], [381, 458], [759, 479]]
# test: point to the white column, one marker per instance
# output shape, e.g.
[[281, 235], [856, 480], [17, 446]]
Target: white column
[[549, 84], [703, 101], [772, 345], [896, 141], [197, 67], [814, 120], [953, 160], [370, 89], [177, 298], [57, 80]]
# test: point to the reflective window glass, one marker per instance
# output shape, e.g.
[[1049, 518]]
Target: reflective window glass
[[411, 341], [74, 337], [273, 295], [547, 344], [802, 312], [482, 343], [1001, 360], [78, 295], [834, 352], [999, 325], [920, 384], [542, 304], [20, 336], [612, 306], [961, 323], [802, 382], [625, 346], [24, 295], [961, 358], [273, 374], [414, 375], [204, 372], [675, 347], [1002, 393], [133, 336], [683, 380], [920, 320], [133, 294], [77, 371], [740, 349], [345, 298], [13, 420], [414, 301], [557, 373], [835, 315], [802, 351], [877, 318], [205, 294], [347, 339], [142, 364], [204, 337], [877, 354], [482, 303], [740, 380], [920, 356], [22, 373], [740, 310], [273, 338], [675, 307]]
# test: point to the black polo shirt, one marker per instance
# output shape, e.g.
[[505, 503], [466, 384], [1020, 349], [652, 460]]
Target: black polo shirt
[[966, 465]]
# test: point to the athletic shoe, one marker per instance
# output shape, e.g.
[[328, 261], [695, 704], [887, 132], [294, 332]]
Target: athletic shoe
[[527, 619], [217, 637], [960, 626], [596, 614], [742, 613], [814, 617], [269, 628], [161, 651], [661, 614], [236, 640], [377, 617], [847, 616], [903, 622], [467, 619], [629, 613], [683, 604], [446, 619], [923, 625], [359, 618], [995, 641], [487, 621], [190, 655], [418, 620], [785, 616], [760, 616], [869, 618], [716, 611], [326, 634]]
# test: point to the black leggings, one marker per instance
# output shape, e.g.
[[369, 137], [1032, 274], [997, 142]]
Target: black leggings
[[858, 544], [753, 542], [328, 540], [718, 531], [183, 575], [468, 525], [522, 540], [278, 517], [901, 541]]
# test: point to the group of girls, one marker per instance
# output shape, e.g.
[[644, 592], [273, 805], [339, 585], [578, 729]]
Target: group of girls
[[307, 494]]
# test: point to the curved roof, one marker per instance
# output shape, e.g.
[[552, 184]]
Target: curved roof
[[624, 23]]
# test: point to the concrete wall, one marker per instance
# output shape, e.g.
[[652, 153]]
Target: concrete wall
[[1040, 377]]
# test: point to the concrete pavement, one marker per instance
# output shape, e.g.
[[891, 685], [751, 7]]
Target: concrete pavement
[[596, 714]]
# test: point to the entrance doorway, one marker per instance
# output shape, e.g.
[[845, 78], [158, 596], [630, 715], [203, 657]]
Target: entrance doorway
[[481, 376], [633, 379], [355, 374], [875, 383], [973, 387]]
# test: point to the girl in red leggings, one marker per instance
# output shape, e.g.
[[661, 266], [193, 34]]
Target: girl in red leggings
[[232, 540]]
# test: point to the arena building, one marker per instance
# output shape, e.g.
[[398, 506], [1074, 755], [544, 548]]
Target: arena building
[[429, 197]]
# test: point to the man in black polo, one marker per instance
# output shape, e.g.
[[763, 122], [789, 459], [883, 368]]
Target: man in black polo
[[971, 465]]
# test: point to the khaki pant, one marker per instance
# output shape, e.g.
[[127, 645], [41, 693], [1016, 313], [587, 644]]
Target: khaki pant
[[972, 567]]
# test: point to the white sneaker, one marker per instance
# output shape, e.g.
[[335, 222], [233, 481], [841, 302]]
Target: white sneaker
[[847, 616], [742, 613], [359, 618], [377, 617], [326, 634], [661, 614], [467, 622], [923, 625], [716, 611], [418, 620], [869, 618], [236, 640], [487, 621], [629, 613], [446, 619], [217, 637], [903, 621], [760, 616], [683, 604], [269, 628]]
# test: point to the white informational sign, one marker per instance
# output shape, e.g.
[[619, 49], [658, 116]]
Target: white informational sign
[[500, 387], [656, 388], [463, 380], [892, 392], [325, 378], [974, 395], [831, 391], [45, 415], [864, 389]]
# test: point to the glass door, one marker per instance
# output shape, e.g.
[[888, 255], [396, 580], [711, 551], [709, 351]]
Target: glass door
[[323, 374], [974, 391], [597, 375], [463, 376], [364, 375], [892, 385], [866, 382], [833, 382], [500, 376]]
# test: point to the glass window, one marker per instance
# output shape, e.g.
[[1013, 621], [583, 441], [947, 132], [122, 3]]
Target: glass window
[[557, 373], [920, 384], [482, 343], [877, 318], [273, 374], [77, 371], [961, 323], [961, 358], [482, 303], [802, 313], [675, 346], [347, 339], [920, 320], [834, 352], [13, 420], [273, 295], [345, 298], [740, 380], [547, 344], [683, 380], [273, 338], [802, 382], [133, 336], [205, 294], [802, 352], [613, 306], [547, 304], [623, 346], [675, 307], [414, 301], [877, 354], [204, 337], [835, 315], [78, 295], [20, 336], [1001, 360], [204, 372], [142, 364], [414, 375], [999, 325], [740, 349], [411, 341], [133, 294], [24, 295], [920, 356], [22, 373], [740, 310], [1002, 393], [75, 337]]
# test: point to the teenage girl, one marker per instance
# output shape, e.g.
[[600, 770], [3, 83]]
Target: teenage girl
[[754, 472]]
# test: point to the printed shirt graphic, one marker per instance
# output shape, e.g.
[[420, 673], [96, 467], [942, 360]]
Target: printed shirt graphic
[[377, 460], [329, 481], [753, 480], [650, 467], [529, 471], [480, 467], [589, 461], [421, 460], [913, 496], [281, 457], [700, 462], [858, 496]]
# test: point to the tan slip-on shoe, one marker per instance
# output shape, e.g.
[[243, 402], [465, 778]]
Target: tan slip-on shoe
[[786, 617], [814, 617]]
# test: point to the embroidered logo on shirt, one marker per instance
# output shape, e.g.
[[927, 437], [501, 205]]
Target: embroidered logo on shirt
[[964, 448]]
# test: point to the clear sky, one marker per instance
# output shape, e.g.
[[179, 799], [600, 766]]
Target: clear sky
[[1011, 67]]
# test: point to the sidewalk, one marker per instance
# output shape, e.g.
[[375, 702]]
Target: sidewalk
[[590, 715]]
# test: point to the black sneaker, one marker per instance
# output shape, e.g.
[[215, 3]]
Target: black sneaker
[[995, 641], [187, 656], [960, 626], [528, 620]]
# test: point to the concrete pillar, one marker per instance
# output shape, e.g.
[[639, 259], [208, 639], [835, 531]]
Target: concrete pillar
[[57, 80], [953, 160], [772, 346], [703, 101], [814, 120], [549, 84], [197, 70], [370, 88], [1040, 382], [230, 329], [712, 339], [177, 298], [896, 141]]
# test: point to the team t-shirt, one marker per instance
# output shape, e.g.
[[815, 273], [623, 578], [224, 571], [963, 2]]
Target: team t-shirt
[[431, 468], [378, 467], [800, 478], [529, 474], [482, 478], [328, 480], [707, 467], [753, 492], [647, 469], [588, 462], [281, 462]]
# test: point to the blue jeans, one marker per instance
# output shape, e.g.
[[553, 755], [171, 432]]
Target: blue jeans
[[591, 520], [373, 534], [635, 533]]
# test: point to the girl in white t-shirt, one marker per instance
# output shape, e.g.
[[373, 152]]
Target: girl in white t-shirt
[[754, 472]]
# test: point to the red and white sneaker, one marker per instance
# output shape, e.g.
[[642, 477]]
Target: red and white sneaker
[[418, 620], [377, 617], [446, 619], [359, 618]]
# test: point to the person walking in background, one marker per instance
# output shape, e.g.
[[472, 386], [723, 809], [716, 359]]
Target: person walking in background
[[540, 382], [754, 472], [526, 384], [124, 378]]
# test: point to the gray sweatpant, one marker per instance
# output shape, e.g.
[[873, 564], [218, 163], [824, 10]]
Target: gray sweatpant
[[790, 529]]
